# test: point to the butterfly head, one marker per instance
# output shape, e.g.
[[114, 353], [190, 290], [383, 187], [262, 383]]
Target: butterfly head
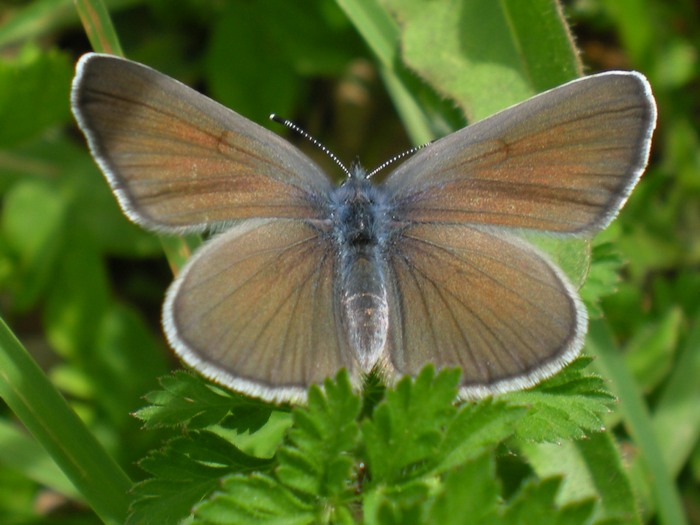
[[358, 211]]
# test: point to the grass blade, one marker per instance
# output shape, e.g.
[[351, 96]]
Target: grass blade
[[41, 408]]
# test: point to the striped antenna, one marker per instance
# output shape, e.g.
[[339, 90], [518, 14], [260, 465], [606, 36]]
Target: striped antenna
[[324, 149], [395, 158]]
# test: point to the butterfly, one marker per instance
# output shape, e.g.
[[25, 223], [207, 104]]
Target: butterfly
[[306, 277]]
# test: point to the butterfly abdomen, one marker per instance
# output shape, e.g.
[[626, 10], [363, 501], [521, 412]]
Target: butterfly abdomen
[[360, 231]]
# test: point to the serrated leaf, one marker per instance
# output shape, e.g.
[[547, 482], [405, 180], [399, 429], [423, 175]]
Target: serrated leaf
[[185, 471], [568, 405], [406, 429], [477, 427], [256, 499], [317, 457], [298, 471], [548, 421], [188, 400], [312, 478], [250, 417]]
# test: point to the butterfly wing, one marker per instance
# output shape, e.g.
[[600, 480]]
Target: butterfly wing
[[177, 160], [482, 300], [254, 310], [563, 161]]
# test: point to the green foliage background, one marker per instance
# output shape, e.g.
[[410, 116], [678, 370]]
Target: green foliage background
[[80, 287]]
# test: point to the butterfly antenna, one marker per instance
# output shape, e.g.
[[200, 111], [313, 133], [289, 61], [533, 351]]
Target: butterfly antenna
[[315, 142], [395, 158]]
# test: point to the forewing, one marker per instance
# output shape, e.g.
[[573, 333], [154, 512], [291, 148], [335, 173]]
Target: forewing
[[484, 301], [179, 161], [254, 310], [563, 161]]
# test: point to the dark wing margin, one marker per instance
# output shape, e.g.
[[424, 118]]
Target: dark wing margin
[[254, 310], [178, 161], [564, 161], [484, 301]]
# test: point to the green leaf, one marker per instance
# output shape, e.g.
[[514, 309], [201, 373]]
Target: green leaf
[[311, 482], [609, 476], [317, 456], [424, 113], [568, 405], [486, 55], [406, 429], [470, 490], [21, 453], [658, 479], [650, 354], [33, 238], [127, 349], [476, 428], [255, 499], [185, 471], [572, 255], [269, 32], [678, 406], [603, 276], [590, 469], [34, 79], [77, 301], [397, 505], [44, 412], [190, 401], [535, 503]]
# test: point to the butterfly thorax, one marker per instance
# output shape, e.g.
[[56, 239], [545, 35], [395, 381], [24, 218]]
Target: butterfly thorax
[[360, 232], [359, 214]]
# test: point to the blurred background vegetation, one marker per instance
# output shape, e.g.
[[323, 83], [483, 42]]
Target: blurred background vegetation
[[81, 287]]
